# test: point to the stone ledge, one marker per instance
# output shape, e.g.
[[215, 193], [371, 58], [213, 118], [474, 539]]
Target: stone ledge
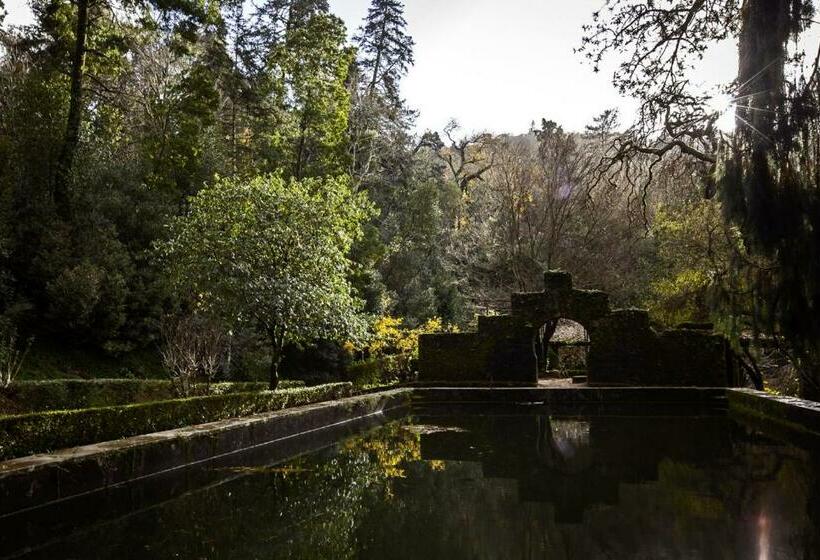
[[32, 481], [560, 395], [796, 415]]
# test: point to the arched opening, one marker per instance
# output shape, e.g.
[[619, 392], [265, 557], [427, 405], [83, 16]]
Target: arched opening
[[564, 349]]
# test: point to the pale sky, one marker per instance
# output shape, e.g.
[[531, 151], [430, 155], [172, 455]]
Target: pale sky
[[498, 65]]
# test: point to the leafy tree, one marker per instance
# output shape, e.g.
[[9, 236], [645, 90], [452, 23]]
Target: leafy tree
[[283, 68], [86, 15], [301, 11], [273, 253], [694, 254], [419, 282], [316, 61], [85, 279], [380, 121], [765, 173], [176, 99]]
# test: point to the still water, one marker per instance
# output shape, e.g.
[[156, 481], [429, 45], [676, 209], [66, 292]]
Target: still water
[[521, 485]]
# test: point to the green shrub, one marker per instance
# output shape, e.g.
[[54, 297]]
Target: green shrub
[[68, 394], [36, 433], [366, 373]]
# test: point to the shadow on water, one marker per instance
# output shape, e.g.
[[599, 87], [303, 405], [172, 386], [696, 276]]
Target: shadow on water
[[517, 483]]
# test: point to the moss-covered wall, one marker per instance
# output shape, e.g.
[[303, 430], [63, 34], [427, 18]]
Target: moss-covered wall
[[624, 348]]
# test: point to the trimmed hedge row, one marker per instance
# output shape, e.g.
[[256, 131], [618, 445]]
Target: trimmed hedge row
[[67, 394], [27, 434]]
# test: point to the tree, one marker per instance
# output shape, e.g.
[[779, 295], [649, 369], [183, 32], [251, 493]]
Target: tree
[[765, 171], [273, 253], [85, 14], [379, 119], [385, 48], [467, 158], [167, 103], [529, 214], [316, 61], [605, 123]]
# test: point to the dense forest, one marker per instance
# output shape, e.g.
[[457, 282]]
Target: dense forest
[[243, 176]]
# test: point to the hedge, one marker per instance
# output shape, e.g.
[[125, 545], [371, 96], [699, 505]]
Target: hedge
[[66, 394], [27, 434]]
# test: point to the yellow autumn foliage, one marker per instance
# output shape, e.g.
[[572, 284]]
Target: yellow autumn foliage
[[392, 347]]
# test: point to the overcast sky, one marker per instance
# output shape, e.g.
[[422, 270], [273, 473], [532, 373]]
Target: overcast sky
[[498, 65]]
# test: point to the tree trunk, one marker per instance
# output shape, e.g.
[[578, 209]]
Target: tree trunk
[[65, 160], [300, 150], [761, 65], [277, 347], [275, 359]]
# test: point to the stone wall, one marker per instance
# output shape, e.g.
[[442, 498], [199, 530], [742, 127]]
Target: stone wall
[[624, 348]]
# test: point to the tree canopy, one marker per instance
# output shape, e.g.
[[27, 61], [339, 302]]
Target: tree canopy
[[272, 252]]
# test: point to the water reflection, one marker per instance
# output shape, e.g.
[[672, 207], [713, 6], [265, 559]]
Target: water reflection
[[510, 486]]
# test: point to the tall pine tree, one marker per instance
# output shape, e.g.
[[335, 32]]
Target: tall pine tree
[[379, 120], [385, 48]]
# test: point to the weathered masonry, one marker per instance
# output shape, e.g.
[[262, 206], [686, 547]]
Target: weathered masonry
[[624, 348]]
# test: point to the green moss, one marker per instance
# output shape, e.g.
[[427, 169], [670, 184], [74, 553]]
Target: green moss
[[40, 432]]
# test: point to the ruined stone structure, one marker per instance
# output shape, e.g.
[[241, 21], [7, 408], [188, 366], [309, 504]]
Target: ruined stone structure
[[624, 348]]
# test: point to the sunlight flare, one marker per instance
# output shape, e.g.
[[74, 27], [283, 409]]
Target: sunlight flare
[[723, 105]]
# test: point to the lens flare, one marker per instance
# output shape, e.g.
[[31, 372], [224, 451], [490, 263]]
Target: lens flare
[[723, 105]]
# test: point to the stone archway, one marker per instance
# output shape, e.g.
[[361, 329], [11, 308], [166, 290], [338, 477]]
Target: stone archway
[[503, 349], [624, 349], [565, 353]]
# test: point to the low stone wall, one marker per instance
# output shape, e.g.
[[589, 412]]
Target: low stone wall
[[39, 432], [714, 398], [501, 351], [625, 350]]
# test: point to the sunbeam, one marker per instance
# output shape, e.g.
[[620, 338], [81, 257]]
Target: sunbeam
[[747, 123]]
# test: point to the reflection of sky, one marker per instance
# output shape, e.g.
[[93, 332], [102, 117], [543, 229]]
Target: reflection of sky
[[763, 537], [570, 436]]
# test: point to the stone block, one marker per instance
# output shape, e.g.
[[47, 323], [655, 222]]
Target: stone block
[[557, 281]]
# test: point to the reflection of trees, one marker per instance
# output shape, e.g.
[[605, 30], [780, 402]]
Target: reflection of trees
[[309, 508], [496, 487]]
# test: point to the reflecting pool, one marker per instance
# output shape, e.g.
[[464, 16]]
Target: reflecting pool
[[513, 485]]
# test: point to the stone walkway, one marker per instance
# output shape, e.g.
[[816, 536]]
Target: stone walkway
[[559, 382]]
